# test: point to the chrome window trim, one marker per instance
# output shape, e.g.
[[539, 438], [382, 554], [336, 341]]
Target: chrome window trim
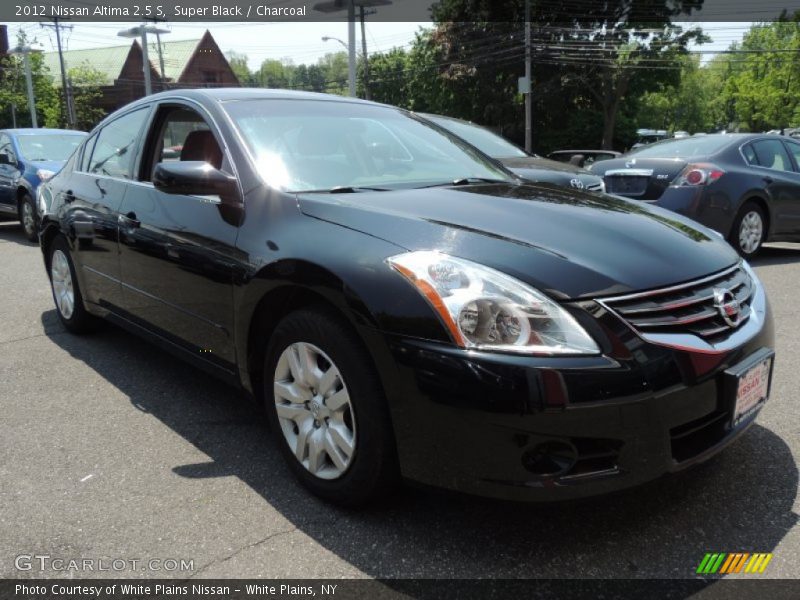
[[770, 169], [631, 172]]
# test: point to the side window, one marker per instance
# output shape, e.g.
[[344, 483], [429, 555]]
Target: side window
[[772, 154], [7, 149], [86, 153], [750, 155], [115, 149], [182, 135], [794, 150]]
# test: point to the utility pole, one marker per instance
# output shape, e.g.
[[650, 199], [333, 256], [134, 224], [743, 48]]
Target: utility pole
[[25, 51], [364, 56], [160, 57], [332, 6], [528, 97], [67, 92], [142, 31], [351, 45], [158, 31]]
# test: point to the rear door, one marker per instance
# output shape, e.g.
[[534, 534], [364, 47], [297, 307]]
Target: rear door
[[177, 251], [93, 194], [794, 208], [770, 159]]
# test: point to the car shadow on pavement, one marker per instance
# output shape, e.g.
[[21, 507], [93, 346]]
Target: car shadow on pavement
[[11, 231], [777, 255], [740, 501]]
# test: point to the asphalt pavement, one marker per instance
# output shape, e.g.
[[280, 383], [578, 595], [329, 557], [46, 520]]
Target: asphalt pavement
[[111, 449]]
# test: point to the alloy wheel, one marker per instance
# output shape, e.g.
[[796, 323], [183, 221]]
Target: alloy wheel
[[28, 221], [61, 277], [314, 410], [751, 232]]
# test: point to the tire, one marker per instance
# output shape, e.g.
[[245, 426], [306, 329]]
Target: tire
[[66, 290], [324, 417], [28, 219], [749, 230]]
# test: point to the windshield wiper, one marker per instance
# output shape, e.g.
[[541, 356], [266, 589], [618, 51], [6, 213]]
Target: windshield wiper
[[344, 189], [469, 181]]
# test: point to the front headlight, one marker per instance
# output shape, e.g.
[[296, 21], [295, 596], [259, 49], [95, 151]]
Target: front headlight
[[40, 201], [45, 174], [488, 310]]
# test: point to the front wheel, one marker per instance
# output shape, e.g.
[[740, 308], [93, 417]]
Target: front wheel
[[27, 216], [327, 408], [749, 230]]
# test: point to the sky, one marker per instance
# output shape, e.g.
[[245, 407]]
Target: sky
[[300, 42]]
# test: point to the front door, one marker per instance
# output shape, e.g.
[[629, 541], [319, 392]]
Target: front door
[[178, 252]]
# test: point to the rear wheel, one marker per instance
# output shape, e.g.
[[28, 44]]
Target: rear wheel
[[66, 291], [27, 216], [327, 409], [749, 230]]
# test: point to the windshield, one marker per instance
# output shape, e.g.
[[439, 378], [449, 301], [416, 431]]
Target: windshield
[[683, 148], [49, 146], [483, 139], [313, 145]]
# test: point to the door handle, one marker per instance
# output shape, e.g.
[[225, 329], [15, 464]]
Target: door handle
[[129, 220]]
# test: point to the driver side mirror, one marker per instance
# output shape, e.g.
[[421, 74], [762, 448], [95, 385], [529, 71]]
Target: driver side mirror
[[194, 178]]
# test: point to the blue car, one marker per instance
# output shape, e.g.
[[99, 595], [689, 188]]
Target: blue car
[[28, 157]]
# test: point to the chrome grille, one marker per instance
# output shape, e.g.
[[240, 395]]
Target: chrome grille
[[687, 308]]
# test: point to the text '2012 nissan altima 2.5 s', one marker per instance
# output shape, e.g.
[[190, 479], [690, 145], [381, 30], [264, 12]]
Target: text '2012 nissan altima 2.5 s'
[[403, 306]]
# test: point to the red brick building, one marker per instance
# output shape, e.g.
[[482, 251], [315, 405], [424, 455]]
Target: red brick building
[[186, 63]]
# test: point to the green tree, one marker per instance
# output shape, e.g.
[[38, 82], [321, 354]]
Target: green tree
[[13, 91], [764, 80], [86, 94], [688, 106], [388, 74], [600, 59], [238, 62]]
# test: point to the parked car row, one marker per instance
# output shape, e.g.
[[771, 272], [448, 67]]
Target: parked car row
[[745, 186], [28, 157], [403, 305]]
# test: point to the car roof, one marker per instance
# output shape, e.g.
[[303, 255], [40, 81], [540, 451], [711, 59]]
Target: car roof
[[232, 94], [447, 118], [596, 151], [39, 131]]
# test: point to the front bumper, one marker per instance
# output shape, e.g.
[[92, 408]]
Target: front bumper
[[545, 429]]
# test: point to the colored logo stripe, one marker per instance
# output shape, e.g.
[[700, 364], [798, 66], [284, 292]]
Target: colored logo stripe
[[725, 563]]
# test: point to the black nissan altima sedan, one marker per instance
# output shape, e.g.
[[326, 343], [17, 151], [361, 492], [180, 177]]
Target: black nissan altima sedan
[[745, 186], [403, 307]]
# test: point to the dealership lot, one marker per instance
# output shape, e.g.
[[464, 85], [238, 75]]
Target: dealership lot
[[112, 449]]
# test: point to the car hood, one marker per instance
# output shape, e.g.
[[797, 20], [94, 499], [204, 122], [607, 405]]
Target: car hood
[[531, 162], [567, 243], [551, 171], [49, 165]]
